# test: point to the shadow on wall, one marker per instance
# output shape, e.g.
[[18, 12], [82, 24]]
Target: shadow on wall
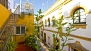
[[66, 13]]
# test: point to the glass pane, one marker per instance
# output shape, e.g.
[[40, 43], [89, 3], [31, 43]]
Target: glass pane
[[42, 33], [76, 18], [83, 20], [22, 30], [77, 12], [82, 13], [49, 22], [17, 30], [75, 15], [53, 22], [76, 21], [83, 16], [45, 22], [82, 10]]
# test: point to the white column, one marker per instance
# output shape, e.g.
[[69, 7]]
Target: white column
[[33, 2], [47, 3], [20, 5], [43, 7]]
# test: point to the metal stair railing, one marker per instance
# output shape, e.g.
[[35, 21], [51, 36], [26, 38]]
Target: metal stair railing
[[7, 29]]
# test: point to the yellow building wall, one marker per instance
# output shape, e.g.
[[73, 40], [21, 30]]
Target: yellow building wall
[[28, 21], [4, 15]]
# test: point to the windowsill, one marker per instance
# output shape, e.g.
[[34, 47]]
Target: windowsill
[[53, 26], [80, 26], [19, 34]]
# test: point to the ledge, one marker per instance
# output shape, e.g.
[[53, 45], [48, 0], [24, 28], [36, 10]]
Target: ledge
[[19, 34], [72, 35], [83, 26], [44, 47]]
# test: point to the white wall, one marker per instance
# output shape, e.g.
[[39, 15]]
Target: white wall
[[56, 15], [49, 34], [84, 43], [66, 10], [80, 32]]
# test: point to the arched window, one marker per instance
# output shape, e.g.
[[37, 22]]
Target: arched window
[[53, 21], [45, 23], [48, 21], [79, 16]]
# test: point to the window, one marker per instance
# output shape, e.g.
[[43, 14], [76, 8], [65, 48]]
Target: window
[[49, 40], [48, 21], [58, 41], [53, 21], [38, 29], [17, 30], [45, 23], [42, 22], [57, 47], [20, 30], [42, 33], [79, 16]]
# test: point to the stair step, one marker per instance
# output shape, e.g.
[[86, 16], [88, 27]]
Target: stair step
[[3, 37], [1, 41], [1, 44], [9, 24], [10, 21]]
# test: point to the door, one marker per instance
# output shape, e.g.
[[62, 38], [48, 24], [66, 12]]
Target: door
[[44, 37], [58, 46]]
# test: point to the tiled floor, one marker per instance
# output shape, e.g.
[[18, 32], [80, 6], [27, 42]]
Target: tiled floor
[[22, 47]]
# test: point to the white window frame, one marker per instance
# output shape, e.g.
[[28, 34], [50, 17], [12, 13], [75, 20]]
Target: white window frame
[[20, 29]]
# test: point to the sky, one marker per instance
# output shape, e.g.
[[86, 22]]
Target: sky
[[39, 4]]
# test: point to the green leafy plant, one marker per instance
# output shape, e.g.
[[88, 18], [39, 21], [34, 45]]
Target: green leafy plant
[[32, 40], [12, 45], [29, 14], [22, 15], [64, 36]]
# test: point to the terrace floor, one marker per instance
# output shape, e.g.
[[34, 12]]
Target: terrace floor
[[22, 47]]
